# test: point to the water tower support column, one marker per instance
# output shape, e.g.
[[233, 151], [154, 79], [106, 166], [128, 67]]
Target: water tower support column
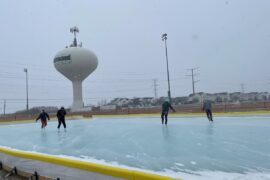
[[77, 95]]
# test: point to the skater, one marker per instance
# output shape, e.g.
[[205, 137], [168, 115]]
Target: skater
[[61, 117], [43, 116], [166, 106], [207, 108]]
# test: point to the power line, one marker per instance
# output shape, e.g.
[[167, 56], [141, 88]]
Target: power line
[[192, 78]]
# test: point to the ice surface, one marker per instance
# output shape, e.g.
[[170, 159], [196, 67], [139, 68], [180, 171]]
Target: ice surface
[[188, 147]]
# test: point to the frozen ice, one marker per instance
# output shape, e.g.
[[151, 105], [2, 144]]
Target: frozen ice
[[188, 147]]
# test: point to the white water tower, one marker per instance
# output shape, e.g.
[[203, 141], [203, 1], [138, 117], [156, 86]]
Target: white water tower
[[76, 63]]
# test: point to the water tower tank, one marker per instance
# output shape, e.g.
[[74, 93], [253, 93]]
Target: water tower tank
[[76, 63]]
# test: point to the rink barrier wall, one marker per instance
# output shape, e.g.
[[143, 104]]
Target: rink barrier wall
[[31, 118], [88, 166], [172, 114], [200, 114]]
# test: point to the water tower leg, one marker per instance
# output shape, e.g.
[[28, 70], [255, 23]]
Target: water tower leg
[[77, 96]]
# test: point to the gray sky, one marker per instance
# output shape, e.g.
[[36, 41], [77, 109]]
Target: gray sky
[[228, 40]]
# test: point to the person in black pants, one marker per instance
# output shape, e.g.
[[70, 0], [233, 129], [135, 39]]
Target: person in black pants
[[166, 106], [207, 107], [61, 117]]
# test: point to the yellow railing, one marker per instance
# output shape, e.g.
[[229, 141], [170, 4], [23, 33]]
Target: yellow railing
[[88, 166]]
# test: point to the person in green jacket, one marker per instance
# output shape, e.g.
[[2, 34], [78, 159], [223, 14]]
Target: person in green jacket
[[166, 106]]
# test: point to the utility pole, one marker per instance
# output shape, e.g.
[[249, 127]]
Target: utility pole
[[192, 78], [155, 87], [26, 73], [243, 88], [4, 107]]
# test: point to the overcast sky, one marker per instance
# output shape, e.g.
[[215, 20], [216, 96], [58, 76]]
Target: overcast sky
[[228, 40]]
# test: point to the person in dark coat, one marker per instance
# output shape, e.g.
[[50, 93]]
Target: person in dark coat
[[207, 108], [166, 106], [61, 113], [43, 116]]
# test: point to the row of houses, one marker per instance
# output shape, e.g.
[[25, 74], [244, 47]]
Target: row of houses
[[143, 102], [229, 97]]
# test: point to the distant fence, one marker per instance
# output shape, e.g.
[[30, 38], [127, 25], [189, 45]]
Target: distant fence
[[185, 108]]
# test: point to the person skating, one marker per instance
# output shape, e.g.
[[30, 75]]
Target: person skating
[[61, 113], [166, 106], [207, 108], [43, 116]]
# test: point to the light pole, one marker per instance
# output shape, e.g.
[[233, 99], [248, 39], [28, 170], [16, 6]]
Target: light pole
[[26, 72], [4, 107], [164, 38]]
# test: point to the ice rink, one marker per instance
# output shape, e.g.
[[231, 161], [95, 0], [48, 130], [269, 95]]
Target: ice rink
[[188, 147]]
